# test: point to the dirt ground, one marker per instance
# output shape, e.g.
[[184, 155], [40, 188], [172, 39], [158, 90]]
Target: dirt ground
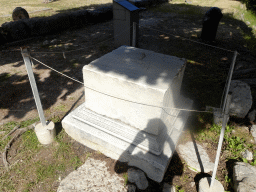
[[60, 95]]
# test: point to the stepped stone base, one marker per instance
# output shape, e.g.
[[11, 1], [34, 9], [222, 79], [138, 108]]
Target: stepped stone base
[[117, 140]]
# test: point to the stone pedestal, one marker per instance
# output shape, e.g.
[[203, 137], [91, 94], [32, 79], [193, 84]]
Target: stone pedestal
[[124, 129]]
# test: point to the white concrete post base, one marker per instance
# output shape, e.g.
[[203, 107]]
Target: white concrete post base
[[204, 185], [45, 134]]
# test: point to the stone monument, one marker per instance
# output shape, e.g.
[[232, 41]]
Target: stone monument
[[129, 111]]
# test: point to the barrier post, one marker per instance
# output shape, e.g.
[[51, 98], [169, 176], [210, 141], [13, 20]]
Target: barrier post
[[32, 81]]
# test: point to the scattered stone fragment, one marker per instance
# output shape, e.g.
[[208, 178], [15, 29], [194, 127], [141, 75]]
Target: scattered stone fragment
[[46, 42], [138, 177], [54, 41], [92, 176], [247, 155], [196, 158], [192, 184], [241, 101], [168, 188], [252, 115], [244, 177], [248, 23], [131, 188], [253, 132]]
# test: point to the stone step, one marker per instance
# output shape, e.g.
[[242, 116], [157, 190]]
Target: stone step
[[84, 131], [130, 134]]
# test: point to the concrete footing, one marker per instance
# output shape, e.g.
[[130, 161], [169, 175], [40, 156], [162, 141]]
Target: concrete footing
[[45, 134], [204, 185]]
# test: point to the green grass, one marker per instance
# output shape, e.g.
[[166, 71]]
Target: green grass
[[235, 140], [61, 107], [56, 158], [125, 176]]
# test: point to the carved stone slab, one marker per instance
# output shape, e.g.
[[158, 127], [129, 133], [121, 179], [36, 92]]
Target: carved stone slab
[[136, 75]]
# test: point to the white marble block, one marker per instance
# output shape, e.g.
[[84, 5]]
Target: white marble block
[[136, 75]]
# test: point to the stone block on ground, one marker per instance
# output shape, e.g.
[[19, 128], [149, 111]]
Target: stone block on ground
[[136, 75], [89, 133], [92, 176], [138, 177], [117, 118], [252, 115], [241, 101], [196, 157], [244, 177], [19, 13]]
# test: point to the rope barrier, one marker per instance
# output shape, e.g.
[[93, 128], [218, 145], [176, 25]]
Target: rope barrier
[[118, 97], [63, 52], [188, 39]]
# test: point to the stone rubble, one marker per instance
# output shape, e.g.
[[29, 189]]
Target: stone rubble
[[253, 132], [131, 188], [92, 176], [138, 177], [201, 163], [241, 101], [247, 155], [244, 177], [252, 115]]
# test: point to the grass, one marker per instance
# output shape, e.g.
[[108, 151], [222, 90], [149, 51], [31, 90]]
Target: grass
[[43, 163], [235, 140], [61, 107], [56, 7], [60, 153]]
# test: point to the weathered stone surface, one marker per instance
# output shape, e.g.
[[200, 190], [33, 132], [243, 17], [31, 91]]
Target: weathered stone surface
[[252, 115], [92, 176], [136, 75], [247, 155], [46, 42], [118, 76], [244, 177], [131, 188], [113, 145], [211, 21], [168, 188], [19, 13], [196, 157], [138, 177], [241, 101]]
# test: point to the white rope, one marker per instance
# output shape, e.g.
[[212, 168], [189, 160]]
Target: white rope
[[118, 97], [63, 52], [188, 39]]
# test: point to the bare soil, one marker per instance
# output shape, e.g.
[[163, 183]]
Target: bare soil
[[60, 95]]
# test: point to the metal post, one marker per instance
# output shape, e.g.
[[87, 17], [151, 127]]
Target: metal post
[[32, 81], [134, 35], [229, 81], [225, 118]]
